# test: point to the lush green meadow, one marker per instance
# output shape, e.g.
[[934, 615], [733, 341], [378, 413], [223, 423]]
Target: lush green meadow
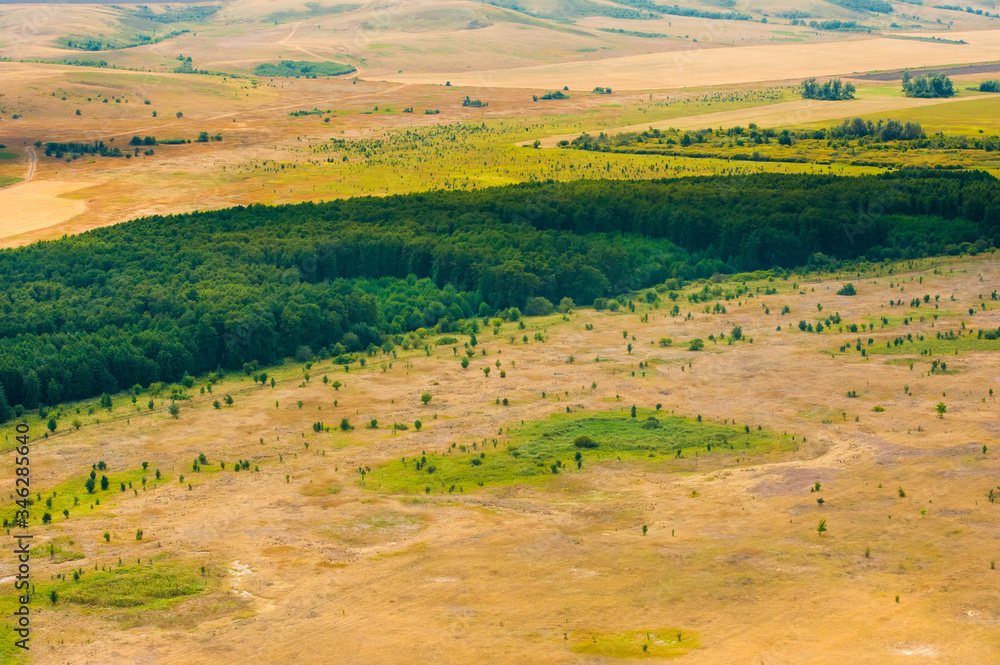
[[124, 592], [572, 442]]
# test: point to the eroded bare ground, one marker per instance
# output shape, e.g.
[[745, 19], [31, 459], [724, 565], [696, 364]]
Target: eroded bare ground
[[314, 566]]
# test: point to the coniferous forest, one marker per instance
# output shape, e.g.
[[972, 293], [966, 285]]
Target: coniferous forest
[[156, 298]]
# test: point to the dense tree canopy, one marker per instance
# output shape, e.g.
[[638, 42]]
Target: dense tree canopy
[[832, 90], [935, 85], [151, 299]]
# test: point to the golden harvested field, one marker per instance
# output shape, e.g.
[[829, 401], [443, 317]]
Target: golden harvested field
[[733, 66], [561, 570]]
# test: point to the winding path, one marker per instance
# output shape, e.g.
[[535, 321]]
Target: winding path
[[32, 159], [31, 164]]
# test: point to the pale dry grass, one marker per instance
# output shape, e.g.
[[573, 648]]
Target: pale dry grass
[[507, 575]]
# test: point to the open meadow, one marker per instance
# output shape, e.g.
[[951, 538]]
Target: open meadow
[[488, 533], [501, 331]]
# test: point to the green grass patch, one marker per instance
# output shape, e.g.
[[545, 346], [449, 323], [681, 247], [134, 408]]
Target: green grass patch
[[152, 586], [7, 180], [73, 496], [660, 643], [903, 361], [930, 347], [61, 548], [126, 591], [374, 528], [539, 451], [313, 10], [302, 68], [119, 40], [4, 154], [914, 316]]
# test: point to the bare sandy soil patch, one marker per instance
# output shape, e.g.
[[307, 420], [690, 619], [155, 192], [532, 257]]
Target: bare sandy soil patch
[[37, 205]]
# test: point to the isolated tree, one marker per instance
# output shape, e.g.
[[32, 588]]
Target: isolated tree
[[417, 425], [52, 424], [173, 409], [822, 527], [5, 410], [104, 483], [53, 393], [941, 409], [90, 484], [426, 398], [31, 391]]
